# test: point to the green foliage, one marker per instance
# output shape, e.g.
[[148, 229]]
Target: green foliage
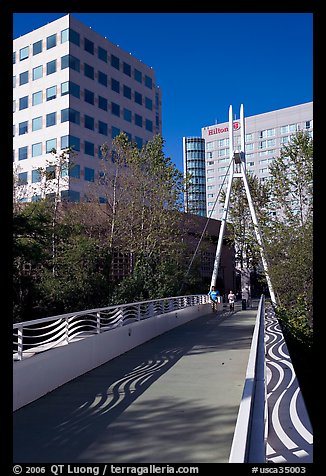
[[284, 208], [242, 232], [289, 233], [69, 248], [150, 279], [81, 276], [295, 320]]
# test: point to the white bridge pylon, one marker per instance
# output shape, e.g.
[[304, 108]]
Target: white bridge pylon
[[238, 169]]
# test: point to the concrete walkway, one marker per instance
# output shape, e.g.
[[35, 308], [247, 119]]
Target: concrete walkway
[[174, 399]]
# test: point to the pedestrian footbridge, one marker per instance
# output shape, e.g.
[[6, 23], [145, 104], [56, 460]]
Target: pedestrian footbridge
[[164, 381]]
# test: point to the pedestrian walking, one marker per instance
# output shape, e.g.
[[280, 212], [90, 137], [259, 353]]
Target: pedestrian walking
[[231, 299], [213, 295]]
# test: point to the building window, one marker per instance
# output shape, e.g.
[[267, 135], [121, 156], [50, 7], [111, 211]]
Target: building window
[[36, 176], [89, 96], [88, 46], [70, 61], [37, 149], [23, 128], [70, 196], [23, 53], [51, 119], [64, 88], [88, 71], [37, 123], [115, 85], [68, 87], [89, 174], [51, 67], [65, 35], [102, 103], [127, 69], [14, 57], [115, 62], [89, 122], [127, 92], [89, 148], [22, 178], [102, 54], [37, 72], [148, 82], [74, 171], [70, 35], [103, 128], [115, 132], [102, 78], [51, 93], [70, 115], [115, 109], [127, 115], [138, 98], [23, 78], [50, 172], [70, 141], [138, 120], [51, 145], [23, 103], [137, 75], [22, 153], [37, 98], [37, 47], [51, 41], [148, 103], [139, 142]]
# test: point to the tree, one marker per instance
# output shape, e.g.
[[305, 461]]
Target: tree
[[141, 194], [290, 233], [31, 252]]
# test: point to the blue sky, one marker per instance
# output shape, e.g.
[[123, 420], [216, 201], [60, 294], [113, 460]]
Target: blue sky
[[206, 61]]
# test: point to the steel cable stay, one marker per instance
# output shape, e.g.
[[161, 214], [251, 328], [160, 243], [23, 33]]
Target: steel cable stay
[[204, 229]]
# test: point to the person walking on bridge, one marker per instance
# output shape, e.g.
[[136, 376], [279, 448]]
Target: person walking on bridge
[[213, 294], [231, 299]]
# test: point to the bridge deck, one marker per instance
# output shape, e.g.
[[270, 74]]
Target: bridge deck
[[174, 399]]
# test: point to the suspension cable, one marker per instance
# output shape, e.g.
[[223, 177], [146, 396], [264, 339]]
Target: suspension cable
[[205, 227]]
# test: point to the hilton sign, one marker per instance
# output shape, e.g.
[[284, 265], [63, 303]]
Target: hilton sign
[[220, 130]]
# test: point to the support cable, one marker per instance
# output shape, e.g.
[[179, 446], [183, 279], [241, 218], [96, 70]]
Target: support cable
[[205, 227]]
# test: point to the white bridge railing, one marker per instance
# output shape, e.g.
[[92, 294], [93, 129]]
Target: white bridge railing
[[32, 337]]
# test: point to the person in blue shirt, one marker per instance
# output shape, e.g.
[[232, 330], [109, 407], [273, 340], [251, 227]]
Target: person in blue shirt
[[213, 293]]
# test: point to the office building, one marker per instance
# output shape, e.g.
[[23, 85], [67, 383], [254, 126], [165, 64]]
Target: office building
[[74, 88], [194, 173]]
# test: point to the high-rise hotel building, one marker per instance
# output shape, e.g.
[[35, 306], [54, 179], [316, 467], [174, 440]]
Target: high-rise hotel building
[[74, 88], [265, 135]]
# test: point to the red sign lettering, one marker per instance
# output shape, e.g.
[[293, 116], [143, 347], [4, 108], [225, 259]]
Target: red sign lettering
[[220, 130]]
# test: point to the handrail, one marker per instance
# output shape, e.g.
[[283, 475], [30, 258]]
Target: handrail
[[39, 335], [249, 440]]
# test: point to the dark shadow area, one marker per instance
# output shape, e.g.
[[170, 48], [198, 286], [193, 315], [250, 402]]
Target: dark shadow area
[[63, 425], [303, 361]]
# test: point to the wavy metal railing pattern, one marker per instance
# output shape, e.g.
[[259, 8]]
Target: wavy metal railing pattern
[[37, 336], [289, 436]]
